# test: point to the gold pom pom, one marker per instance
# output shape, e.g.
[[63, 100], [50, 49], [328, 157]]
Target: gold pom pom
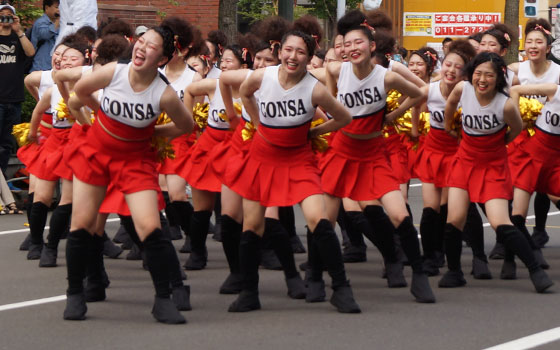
[[530, 110], [393, 100], [62, 111], [200, 115], [21, 133], [319, 143], [237, 108], [248, 131], [457, 125]]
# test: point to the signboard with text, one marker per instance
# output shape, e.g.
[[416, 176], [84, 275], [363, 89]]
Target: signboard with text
[[442, 24]]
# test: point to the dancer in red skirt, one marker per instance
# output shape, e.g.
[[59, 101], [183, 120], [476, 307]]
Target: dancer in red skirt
[[117, 148], [200, 169], [434, 159], [37, 83], [281, 170], [355, 166], [479, 171], [188, 42], [49, 167]]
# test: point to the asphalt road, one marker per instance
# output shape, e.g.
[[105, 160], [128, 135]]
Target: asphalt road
[[480, 315]]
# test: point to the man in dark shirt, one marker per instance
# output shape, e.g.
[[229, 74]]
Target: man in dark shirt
[[43, 35], [14, 47]]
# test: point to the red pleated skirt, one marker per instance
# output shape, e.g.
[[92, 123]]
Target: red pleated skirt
[[413, 148], [181, 146], [274, 175], [357, 169], [434, 158], [30, 153], [238, 153], [480, 167], [398, 157], [535, 165], [98, 158], [199, 168], [50, 156], [114, 202]]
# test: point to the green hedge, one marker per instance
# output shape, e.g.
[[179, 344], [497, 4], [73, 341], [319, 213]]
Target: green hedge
[[27, 107]]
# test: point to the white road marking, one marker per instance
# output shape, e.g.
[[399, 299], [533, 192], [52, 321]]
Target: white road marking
[[32, 303], [531, 341], [26, 230]]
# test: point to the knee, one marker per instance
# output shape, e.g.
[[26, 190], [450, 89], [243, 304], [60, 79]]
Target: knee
[[177, 196]]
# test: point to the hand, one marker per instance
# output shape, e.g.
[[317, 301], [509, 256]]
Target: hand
[[16, 26], [57, 22], [33, 136]]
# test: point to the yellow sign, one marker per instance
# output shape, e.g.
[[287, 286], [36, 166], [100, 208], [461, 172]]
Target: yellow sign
[[417, 24]]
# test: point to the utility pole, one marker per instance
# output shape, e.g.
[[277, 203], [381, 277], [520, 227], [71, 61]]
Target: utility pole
[[286, 9]]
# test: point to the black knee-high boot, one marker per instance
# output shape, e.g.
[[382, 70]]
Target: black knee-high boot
[[314, 273], [217, 233], [513, 239], [95, 271], [169, 210], [519, 222], [280, 243], [77, 256], [231, 237], [198, 231], [37, 223], [110, 249], [342, 221], [288, 220], [475, 230], [453, 246], [248, 299], [60, 219], [409, 211], [328, 247], [542, 206], [27, 241], [439, 247], [157, 250], [430, 225], [420, 286], [355, 251], [184, 211]]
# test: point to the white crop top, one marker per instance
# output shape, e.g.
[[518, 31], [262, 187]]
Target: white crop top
[[217, 107], [526, 76], [549, 119], [482, 120], [436, 106], [182, 82]]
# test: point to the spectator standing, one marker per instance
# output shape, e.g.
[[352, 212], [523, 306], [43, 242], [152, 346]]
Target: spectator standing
[[14, 47], [44, 34], [75, 14]]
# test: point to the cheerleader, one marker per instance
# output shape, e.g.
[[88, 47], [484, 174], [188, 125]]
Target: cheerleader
[[188, 42], [117, 148], [433, 160], [497, 39], [281, 171], [479, 171], [48, 167], [536, 70], [199, 171], [216, 41], [37, 83], [367, 177]]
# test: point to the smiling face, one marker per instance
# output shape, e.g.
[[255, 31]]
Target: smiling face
[[484, 79], [56, 58], [294, 55], [357, 46], [452, 68], [229, 61], [536, 46], [72, 58], [198, 65], [489, 43], [148, 51], [418, 66], [264, 58], [339, 48]]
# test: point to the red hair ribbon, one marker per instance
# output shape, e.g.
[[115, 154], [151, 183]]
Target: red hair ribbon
[[388, 56], [220, 49], [506, 36], [504, 69], [206, 59], [434, 58], [541, 28], [274, 43], [366, 24], [86, 54], [128, 38], [244, 53], [316, 37]]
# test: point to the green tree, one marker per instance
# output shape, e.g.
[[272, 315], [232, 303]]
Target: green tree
[[255, 10], [28, 11]]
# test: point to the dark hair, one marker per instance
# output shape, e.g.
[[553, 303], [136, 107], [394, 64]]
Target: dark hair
[[384, 47], [49, 3], [463, 48], [354, 20], [309, 41], [217, 39], [243, 50], [320, 54], [379, 19], [167, 35], [539, 24], [446, 40], [498, 64], [187, 35], [403, 52], [78, 42], [88, 32], [476, 37], [112, 48], [269, 31], [310, 25], [502, 33], [430, 58], [117, 26]]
